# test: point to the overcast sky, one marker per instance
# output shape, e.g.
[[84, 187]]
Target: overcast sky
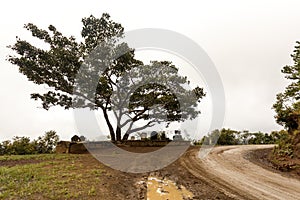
[[249, 42]]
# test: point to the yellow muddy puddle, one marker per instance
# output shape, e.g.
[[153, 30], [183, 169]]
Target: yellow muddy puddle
[[159, 189]]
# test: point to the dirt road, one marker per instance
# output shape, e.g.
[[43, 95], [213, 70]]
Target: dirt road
[[229, 172]]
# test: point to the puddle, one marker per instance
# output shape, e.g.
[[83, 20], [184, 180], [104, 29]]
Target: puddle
[[159, 189]]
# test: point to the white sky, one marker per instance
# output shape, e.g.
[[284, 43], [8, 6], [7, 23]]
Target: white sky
[[249, 42]]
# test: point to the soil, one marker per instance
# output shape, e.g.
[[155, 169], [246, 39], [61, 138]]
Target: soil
[[10, 163], [175, 172], [262, 157], [228, 172]]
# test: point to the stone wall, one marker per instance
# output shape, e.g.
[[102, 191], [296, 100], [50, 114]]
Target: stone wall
[[70, 147], [149, 143], [63, 147], [79, 148]]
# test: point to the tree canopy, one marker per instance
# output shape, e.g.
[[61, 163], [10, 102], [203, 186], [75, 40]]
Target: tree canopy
[[287, 106], [126, 87]]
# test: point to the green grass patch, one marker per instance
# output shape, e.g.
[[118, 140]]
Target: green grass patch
[[37, 157], [63, 176]]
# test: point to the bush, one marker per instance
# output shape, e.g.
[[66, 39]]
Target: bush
[[47, 143], [284, 146], [23, 145], [232, 137]]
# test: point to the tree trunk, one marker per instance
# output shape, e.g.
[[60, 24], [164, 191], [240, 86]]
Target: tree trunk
[[118, 133], [125, 137], [111, 130]]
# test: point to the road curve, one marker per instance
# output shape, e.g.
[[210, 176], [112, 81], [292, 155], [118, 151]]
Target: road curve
[[226, 169]]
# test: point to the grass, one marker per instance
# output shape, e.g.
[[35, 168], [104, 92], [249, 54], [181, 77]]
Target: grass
[[34, 157], [61, 176]]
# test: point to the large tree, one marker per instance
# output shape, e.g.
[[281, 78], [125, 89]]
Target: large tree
[[287, 106], [69, 68]]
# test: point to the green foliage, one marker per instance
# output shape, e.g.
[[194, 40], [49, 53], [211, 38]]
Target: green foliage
[[19, 146], [259, 138], [287, 106], [283, 149], [162, 96], [232, 137], [47, 143], [6, 147], [227, 137], [22, 145], [53, 176], [57, 67], [284, 145], [279, 136]]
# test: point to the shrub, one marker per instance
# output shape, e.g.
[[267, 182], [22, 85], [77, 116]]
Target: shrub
[[23, 145]]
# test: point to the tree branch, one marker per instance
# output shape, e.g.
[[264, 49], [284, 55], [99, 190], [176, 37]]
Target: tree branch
[[149, 124]]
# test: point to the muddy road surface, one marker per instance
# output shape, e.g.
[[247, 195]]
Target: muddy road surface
[[228, 170]]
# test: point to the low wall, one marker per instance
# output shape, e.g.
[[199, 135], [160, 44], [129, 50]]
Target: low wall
[[62, 147], [70, 147], [150, 143], [80, 148]]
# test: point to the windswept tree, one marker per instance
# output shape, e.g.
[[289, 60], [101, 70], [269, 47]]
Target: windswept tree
[[71, 70]]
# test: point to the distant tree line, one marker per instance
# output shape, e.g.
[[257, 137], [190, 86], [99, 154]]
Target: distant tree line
[[233, 137], [23, 145]]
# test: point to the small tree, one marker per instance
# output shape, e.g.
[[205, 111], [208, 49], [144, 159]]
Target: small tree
[[7, 147], [259, 138], [227, 137], [47, 142], [22, 146]]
